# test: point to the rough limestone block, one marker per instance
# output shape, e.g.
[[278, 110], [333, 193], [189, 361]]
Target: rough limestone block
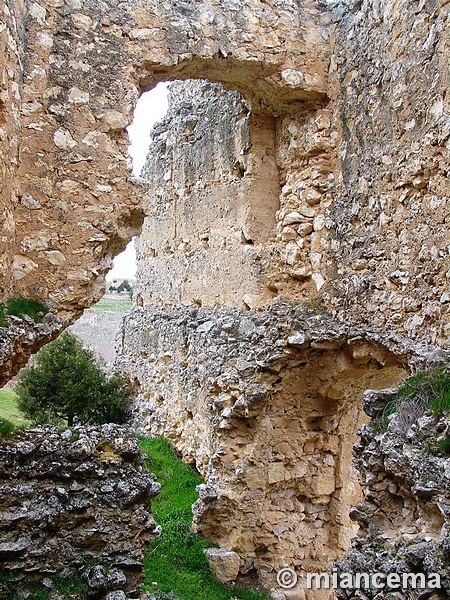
[[224, 563]]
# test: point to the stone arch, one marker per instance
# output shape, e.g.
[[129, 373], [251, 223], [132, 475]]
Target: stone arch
[[71, 205], [267, 406], [85, 65]]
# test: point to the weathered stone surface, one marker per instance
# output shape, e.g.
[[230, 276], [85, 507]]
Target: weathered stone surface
[[270, 425], [211, 202], [392, 205], [60, 496], [377, 250], [352, 104], [72, 75], [404, 516], [22, 337], [223, 563]]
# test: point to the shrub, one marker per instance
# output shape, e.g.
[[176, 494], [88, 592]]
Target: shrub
[[5, 427], [68, 384], [124, 286]]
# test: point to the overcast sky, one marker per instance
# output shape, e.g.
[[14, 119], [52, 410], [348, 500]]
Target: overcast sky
[[151, 107]]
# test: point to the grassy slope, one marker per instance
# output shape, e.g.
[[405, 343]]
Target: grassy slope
[[8, 407], [115, 304], [176, 561]]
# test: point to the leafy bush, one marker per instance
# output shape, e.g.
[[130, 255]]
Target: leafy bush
[[68, 384], [5, 427], [124, 286], [176, 560]]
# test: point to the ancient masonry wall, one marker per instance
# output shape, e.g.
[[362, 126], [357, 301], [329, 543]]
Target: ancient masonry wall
[[357, 242], [266, 405], [71, 203], [351, 194], [339, 179], [390, 233], [211, 204], [404, 516], [12, 52], [61, 493]]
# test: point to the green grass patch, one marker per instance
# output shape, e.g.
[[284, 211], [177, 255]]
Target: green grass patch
[[381, 423], [3, 321], [9, 409], [25, 306], [176, 561], [113, 304], [69, 588], [430, 389], [426, 391], [444, 446]]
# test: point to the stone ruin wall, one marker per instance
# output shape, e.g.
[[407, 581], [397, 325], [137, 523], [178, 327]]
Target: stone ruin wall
[[73, 72], [65, 165], [347, 120], [60, 496], [266, 405], [212, 199], [359, 235], [391, 215]]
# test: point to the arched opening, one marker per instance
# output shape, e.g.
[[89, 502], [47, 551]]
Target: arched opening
[[213, 193], [268, 415]]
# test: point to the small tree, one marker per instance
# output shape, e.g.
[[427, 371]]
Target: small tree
[[68, 383], [124, 286]]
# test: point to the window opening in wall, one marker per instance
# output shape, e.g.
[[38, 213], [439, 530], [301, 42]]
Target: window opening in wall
[[151, 108]]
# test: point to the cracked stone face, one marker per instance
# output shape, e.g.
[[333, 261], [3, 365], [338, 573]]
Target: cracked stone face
[[266, 405], [319, 177]]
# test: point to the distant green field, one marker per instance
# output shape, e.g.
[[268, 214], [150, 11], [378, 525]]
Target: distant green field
[[113, 304], [8, 407]]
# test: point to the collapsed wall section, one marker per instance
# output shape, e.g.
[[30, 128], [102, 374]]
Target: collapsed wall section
[[60, 496], [271, 422], [404, 516], [83, 68], [266, 405]]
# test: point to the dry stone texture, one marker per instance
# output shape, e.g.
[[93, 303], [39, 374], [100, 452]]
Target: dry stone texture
[[61, 494], [266, 405], [350, 205], [390, 220], [333, 163], [404, 516], [22, 336]]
